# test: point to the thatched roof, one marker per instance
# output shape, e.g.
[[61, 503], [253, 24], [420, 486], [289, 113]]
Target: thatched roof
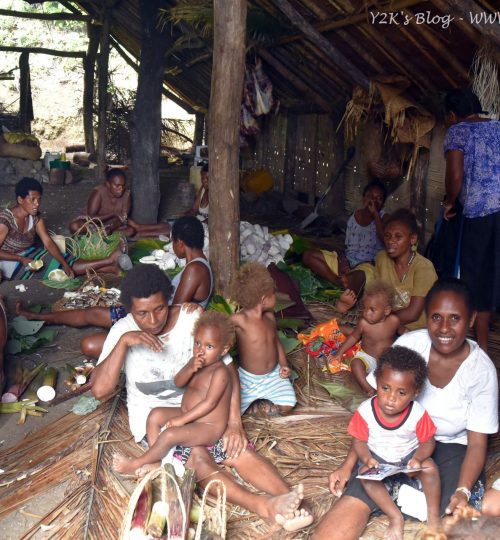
[[315, 51]]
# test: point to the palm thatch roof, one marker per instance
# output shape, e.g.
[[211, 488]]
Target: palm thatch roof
[[315, 52]]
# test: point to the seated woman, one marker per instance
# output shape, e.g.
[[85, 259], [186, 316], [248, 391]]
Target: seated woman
[[460, 395], [364, 239], [19, 227], [194, 284], [200, 205], [111, 203]]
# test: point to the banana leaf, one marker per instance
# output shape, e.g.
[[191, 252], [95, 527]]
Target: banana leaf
[[291, 324], [347, 397], [144, 247], [68, 284], [289, 343], [18, 343], [23, 327]]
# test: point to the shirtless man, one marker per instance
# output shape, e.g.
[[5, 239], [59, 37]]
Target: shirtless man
[[376, 329], [111, 203], [264, 371], [152, 343]]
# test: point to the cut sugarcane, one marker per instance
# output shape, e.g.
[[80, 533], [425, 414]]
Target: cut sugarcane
[[157, 519], [47, 392], [142, 512], [22, 380]]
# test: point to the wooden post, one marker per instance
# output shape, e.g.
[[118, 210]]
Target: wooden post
[[418, 192], [88, 87], [223, 139], [199, 129], [145, 127], [25, 98], [102, 95]]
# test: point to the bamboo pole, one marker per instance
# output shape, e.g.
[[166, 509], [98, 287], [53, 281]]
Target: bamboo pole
[[223, 138], [44, 16], [43, 50]]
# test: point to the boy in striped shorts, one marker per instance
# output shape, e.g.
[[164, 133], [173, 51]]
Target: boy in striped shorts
[[264, 371]]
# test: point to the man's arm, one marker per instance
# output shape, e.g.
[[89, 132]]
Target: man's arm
[[106, 374]]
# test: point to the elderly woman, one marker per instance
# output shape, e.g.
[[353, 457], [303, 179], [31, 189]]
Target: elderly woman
[[19, 227], [461, 396], [473, 177]]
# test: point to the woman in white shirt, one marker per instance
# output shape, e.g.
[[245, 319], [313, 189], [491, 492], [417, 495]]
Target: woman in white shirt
[[461, 396]]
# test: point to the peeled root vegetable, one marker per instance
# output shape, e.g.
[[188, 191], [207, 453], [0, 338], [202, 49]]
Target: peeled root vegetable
[[142, 512], [47, 392]]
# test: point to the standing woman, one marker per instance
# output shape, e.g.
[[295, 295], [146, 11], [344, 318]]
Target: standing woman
[[472, 149]]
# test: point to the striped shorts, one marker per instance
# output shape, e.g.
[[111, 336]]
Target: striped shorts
[[268, 386]]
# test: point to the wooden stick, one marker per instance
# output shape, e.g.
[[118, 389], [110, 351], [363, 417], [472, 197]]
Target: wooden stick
[[43, 50], [44, 16]]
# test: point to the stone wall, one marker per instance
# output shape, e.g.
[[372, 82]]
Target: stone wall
[[13, 169]]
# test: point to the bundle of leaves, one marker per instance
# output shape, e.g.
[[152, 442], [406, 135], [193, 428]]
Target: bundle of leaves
[[311, 286], [28, 336], [94, 245]]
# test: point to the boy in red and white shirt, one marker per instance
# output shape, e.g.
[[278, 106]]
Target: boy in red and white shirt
[[393, 428]]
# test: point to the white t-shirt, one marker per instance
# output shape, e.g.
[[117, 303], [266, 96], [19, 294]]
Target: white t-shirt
[[150, 375], [468, 402]]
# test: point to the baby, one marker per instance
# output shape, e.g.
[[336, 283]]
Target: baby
[[264, 372], [203, 415], [393, 428], [376, 328]]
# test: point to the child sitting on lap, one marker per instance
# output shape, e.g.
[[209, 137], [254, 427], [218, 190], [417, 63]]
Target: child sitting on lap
[[264, 371], [376, 328], [393, 428], [203, 415]]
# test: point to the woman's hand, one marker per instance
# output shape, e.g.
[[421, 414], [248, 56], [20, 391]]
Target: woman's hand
[[234, 440], [68, 270], [25, 261], [449, 211], [457, 501]]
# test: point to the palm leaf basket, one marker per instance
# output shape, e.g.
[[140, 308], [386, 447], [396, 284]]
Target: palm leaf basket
[[94, 243]]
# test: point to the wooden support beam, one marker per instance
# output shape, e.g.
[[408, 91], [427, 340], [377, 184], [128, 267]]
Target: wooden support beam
[[322, 43], [145, 126], [199, 129], [43, 50], [477, 16], [88, 86], [418, 191], [102, 94], [353, 19], [44, 16], [223, 139], [25, 98]]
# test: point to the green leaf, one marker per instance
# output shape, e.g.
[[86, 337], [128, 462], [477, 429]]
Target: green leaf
[[144, 247], [13, 346], [289, 343], [292, 324], [24, 327], [219, 303], [35, 308]]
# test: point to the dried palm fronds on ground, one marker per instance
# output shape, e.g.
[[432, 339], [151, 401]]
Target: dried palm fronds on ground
[[76, 453]]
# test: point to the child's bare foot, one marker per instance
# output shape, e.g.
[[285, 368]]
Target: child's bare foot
[[124, 464], [345, 301], [395, 529], [301, 518], [145, 469]]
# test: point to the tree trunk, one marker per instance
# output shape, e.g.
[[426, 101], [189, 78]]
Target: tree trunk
[[102, 94], [145, 127], [223, 139], [25, 99], [88, 87]]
